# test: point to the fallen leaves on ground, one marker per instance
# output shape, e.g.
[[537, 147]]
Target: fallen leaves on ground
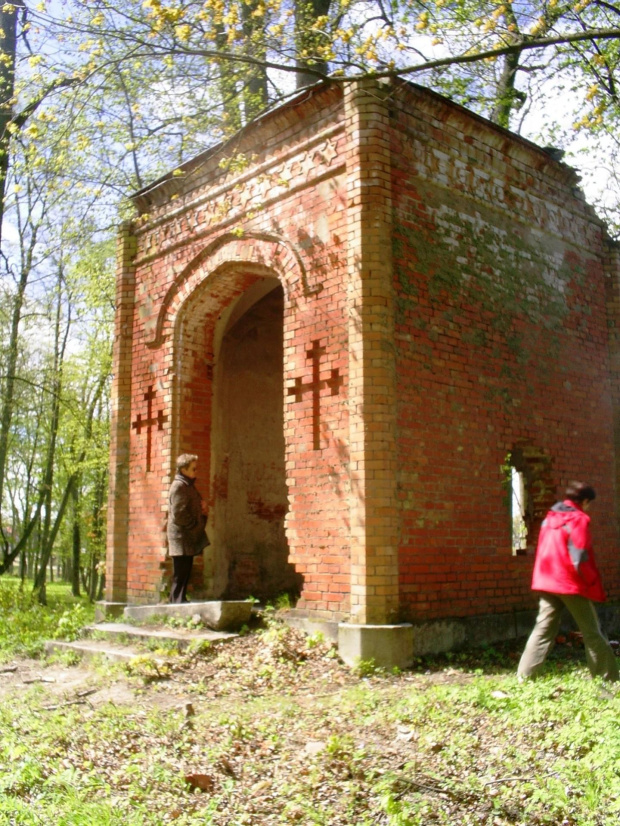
[[271, 728]]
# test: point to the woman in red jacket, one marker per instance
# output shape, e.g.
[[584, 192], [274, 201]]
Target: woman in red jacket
[[566, 576]]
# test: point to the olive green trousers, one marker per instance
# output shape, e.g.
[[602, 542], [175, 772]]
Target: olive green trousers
[[599, 655]]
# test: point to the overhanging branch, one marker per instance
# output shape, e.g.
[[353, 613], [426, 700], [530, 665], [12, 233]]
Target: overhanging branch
[[525, 44]]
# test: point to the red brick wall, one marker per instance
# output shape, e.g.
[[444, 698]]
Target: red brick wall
[[205, 236], [501, 343], [479, 329]]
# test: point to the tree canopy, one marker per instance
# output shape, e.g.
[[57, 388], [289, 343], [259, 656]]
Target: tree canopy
[[97, 97]]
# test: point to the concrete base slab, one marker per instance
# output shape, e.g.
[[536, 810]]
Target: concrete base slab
[[311, 625], [452, 634], [389, 646], [108, 610], [219, 615]]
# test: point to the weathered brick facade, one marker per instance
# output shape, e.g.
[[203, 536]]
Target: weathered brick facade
[[353, 329]]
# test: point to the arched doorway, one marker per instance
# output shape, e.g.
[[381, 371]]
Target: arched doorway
[[249, 554]]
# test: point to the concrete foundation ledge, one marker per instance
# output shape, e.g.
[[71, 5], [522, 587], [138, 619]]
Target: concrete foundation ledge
[[389, 646], [219, 615], [457, 633], [311, 625], [108, 610]]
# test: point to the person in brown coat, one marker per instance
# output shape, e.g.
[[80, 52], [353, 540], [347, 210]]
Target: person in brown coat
[[187, 517]]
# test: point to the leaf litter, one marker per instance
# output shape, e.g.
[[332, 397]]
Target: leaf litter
[[271, 728]]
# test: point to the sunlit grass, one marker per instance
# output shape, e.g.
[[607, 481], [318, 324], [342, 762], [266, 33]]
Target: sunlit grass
[[25, 624], [457, 741]]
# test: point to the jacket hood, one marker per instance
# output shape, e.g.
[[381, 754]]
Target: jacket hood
[[563, 513]]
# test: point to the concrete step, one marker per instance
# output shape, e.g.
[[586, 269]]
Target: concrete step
[[119, 631], [221, 615], [123, 642], [92, 649]]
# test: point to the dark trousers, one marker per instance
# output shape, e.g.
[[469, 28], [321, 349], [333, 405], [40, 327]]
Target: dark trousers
[[181, 572]]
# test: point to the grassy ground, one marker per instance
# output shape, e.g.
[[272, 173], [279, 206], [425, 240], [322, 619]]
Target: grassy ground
[[25, 624], [271, 728]]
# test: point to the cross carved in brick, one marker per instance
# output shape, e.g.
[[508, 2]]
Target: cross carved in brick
[[149, 422], [315, 386]]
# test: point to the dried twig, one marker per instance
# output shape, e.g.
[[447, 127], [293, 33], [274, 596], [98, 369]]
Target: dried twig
[[79, 701], [39, 680], [521, 778], [62, 705], [87, 692]]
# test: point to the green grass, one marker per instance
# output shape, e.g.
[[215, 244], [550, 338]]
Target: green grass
[[282, 734], [25, 624]]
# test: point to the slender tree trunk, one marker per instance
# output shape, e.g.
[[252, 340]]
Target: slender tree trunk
[[9, 13], [229, 92], [8, 387], [255, 95], [47, 540], [508, 97], [50, 537], [76, 543], [307, 41], [92, 591]]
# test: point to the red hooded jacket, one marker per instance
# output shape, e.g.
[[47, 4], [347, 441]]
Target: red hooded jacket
[[565, 561]]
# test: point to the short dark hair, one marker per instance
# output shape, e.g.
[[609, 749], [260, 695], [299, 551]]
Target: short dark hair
[[185, 460], [579, 492]]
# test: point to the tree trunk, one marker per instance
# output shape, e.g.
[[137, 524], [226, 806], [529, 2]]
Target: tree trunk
[[48, 536], [508, 97], [76, 542], [255, 94], [8, 394], [308, 42], [9, 13]]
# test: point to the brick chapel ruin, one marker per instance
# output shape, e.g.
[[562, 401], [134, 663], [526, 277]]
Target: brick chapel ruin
[[391, 337]]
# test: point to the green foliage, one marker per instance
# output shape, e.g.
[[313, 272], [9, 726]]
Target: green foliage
[[66, 658], [199, 648], [283, 602], [25, 624], [148, 667], [189, 623], [366, 668], [318, 638]]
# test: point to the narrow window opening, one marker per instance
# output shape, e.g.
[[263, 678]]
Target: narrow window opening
[[530, 491], [518, 511]]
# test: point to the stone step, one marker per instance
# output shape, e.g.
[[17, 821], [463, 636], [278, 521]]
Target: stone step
[[120, 631], [118, 638], [92, 649], [220, 615]]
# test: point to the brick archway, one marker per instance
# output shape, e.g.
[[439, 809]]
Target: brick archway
[[258, 252], [227, 407]]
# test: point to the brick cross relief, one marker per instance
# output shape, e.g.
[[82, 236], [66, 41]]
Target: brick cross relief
[[149, 422], [315, 386]]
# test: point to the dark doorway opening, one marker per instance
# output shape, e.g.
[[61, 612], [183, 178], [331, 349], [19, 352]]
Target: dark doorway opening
[[250, 502]]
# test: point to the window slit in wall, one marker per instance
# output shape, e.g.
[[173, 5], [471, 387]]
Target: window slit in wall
[[530, 492], [518, 512]]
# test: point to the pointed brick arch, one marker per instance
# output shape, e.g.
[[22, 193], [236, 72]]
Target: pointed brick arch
[[254, 252]]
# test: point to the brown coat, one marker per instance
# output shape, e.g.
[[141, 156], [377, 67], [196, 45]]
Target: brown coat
[[186, 522]]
